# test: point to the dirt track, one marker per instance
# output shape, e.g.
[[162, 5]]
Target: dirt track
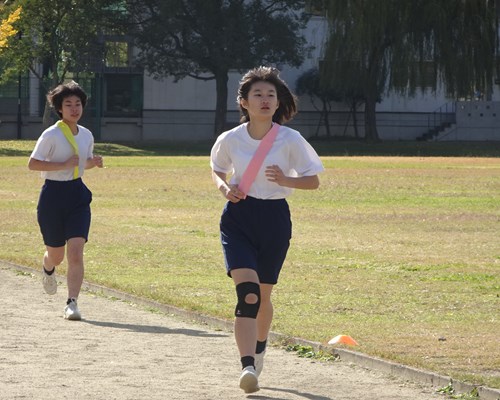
[[123, 351]]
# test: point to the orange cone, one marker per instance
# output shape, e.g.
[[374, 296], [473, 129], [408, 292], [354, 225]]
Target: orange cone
[[343, 339]]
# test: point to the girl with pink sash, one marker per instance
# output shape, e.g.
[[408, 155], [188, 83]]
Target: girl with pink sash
[[255, 166]]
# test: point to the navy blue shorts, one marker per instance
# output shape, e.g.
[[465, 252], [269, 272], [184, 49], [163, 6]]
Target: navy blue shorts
[[64, 211], [256, 234]]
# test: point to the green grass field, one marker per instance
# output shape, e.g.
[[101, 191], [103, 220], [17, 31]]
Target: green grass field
[[401, 253]]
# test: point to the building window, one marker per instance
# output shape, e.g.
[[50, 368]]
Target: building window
[[116, 54], [123, 95]]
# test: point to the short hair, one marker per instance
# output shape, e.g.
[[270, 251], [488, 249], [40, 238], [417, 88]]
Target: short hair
[[287, 100], [57, 95]]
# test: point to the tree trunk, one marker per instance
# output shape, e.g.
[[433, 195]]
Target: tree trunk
[[371, 133], [326, 119], [47, 111], [354, 110], [221, 79], [47, 120]]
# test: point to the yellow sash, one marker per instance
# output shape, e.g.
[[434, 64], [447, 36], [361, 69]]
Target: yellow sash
[[71, 139]]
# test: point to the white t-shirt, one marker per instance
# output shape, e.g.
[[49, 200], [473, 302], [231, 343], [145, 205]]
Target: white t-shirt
[[53, 146], [234, 149]]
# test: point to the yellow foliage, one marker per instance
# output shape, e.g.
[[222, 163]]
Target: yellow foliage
[[6, 28]]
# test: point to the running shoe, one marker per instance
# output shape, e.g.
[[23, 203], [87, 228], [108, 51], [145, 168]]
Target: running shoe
[[71, 311], [259, 362], [49, 282], [248, 380]]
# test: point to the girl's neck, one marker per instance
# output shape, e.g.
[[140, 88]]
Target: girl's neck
[[73, 126], [258, 129]]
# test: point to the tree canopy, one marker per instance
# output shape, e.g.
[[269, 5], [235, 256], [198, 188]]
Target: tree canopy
[[208, 39], [59, 36], [401, 45], [309, 84], [7, 29]]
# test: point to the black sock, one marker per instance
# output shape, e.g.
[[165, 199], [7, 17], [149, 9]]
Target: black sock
[[247, 361], [261, 347], [49, 272], [70, 299]]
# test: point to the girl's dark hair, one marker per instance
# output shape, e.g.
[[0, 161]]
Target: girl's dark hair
[[56, 96], [287, 100]]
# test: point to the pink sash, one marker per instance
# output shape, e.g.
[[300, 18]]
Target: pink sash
[[257, 159]]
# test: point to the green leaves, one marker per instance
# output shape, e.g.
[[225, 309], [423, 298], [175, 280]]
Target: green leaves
[[308, 352], [407, 45], [450, 391], [61, 35], [195, 38]]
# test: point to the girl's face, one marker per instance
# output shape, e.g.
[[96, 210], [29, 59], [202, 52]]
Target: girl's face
[[72, 109], [262, 101]]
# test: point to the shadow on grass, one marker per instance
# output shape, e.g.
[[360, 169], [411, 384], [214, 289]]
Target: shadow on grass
[[155, 149], [13, 152], [405, 149], [324, 147]]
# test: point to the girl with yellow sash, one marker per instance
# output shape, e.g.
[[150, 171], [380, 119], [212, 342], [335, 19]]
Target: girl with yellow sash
[[62, 153]]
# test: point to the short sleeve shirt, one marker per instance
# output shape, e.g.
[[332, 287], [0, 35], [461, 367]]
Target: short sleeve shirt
[[234, 149], [53, 146]]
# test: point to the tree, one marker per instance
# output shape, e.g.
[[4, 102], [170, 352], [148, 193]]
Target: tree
[[309, 83], [206, 39], [348, 92], [7, 29], [60, 36], [394, 44]]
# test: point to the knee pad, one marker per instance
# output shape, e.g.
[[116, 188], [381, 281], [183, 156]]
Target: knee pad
[[244, 309]]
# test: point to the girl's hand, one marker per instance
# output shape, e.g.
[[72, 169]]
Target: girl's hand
[[276, 175], [232, 193], [72, 162], [98, 161]]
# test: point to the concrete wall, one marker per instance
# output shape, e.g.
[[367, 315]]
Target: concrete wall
[[476, 120], [182, 125], [126, 129], [31, 127], [186, 125], [178, 125], [391, 126]]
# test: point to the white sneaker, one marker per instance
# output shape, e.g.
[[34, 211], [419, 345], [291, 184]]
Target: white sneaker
[[49, 282], [248, 380], [259, 362], [71, 311]]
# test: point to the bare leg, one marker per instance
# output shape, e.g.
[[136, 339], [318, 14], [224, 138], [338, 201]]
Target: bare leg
[[75, 266], [265, 315], [53, 257]]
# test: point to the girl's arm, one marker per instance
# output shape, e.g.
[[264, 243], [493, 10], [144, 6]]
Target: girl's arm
[[275, 174], [230, 192], [38, 165], [95, 161]]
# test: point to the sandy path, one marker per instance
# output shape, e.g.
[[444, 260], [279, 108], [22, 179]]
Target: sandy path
[[122, 351]]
